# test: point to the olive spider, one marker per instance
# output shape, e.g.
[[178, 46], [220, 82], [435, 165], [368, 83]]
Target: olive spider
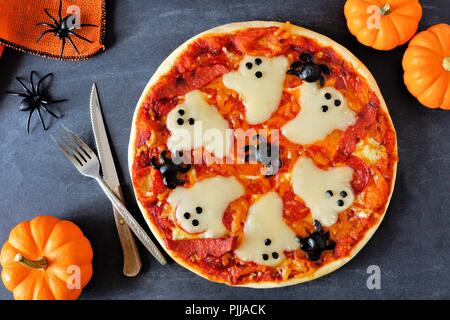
[[307, 70], [317, 242], [170, 168]]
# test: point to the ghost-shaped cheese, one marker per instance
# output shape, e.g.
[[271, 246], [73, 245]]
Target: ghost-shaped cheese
[[325, 192], [321, 112], [259, 81], [200, 209], [266, 236], [195, 123]]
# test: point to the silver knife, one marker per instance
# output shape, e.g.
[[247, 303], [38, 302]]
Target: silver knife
[[132, 261]]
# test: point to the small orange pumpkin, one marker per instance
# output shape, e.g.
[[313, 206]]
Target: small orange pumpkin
[[46, 259], [427, 67], [383, 24]]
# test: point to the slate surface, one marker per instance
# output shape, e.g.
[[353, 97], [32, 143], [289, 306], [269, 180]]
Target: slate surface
[[410, 247]]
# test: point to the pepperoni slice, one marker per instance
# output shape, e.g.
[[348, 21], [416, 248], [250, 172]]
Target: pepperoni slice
[[361, 173], [202, 247], [356, 132], [180, 84]]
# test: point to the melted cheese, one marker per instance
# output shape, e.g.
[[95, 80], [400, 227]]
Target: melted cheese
[[318, 115], [325, 192], [260, 85], [370, 150], [195, 123], [200, 209], [266, 236]]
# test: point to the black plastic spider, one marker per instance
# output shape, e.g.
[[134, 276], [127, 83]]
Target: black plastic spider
[[170, 169], [264, 153], [35, 99], [316, 242], [62, 30], [307, 70]]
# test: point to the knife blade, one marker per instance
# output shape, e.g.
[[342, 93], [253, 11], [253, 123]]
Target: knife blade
[[132, 261]]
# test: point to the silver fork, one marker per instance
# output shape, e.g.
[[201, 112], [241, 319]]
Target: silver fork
[[86, 162]]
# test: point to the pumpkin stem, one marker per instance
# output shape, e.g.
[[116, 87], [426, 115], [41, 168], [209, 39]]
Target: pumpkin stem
[[40, 264], [385, 10], [446, 63]]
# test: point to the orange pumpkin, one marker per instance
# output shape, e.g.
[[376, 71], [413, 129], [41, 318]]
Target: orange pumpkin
[[383, 24], [427, 67], [45, 259]]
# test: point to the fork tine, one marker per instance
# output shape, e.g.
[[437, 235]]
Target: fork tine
[[83, 146], [70, 147], [75, 161], [75, 148]]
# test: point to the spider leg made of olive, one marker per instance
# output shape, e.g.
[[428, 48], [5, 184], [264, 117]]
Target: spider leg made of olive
[[250, 153], [184, 168], [180, 182], [154, 163], [306, 57], [317, 225]]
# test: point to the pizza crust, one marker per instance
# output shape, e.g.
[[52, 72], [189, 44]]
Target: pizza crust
[[324, 41]]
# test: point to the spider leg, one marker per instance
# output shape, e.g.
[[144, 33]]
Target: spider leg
[[317, 225], [154, 163], [42, 120], [321, 81], [49, 111], [73, 44], [59, 10], [23, 95], [62, 47], [331, 245], [46, 24], [38, 87], [184, 168], [43, 34], [28, 121], [33, 86], [53, 101], [163, 156], [88, 25], [24, 86], [81, 37], [51, 18]]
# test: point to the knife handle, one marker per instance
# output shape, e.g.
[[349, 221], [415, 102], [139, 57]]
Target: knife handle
[[131, 259]]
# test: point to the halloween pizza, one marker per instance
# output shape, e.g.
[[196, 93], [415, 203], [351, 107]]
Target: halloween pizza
[[262, 154]]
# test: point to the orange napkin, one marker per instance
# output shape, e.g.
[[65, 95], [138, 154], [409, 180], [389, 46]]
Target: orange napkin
[[19, 29]]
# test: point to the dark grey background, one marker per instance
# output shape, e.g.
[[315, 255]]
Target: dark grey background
[[411, 247]]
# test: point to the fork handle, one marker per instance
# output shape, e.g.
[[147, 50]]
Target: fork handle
[[132, 223]]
